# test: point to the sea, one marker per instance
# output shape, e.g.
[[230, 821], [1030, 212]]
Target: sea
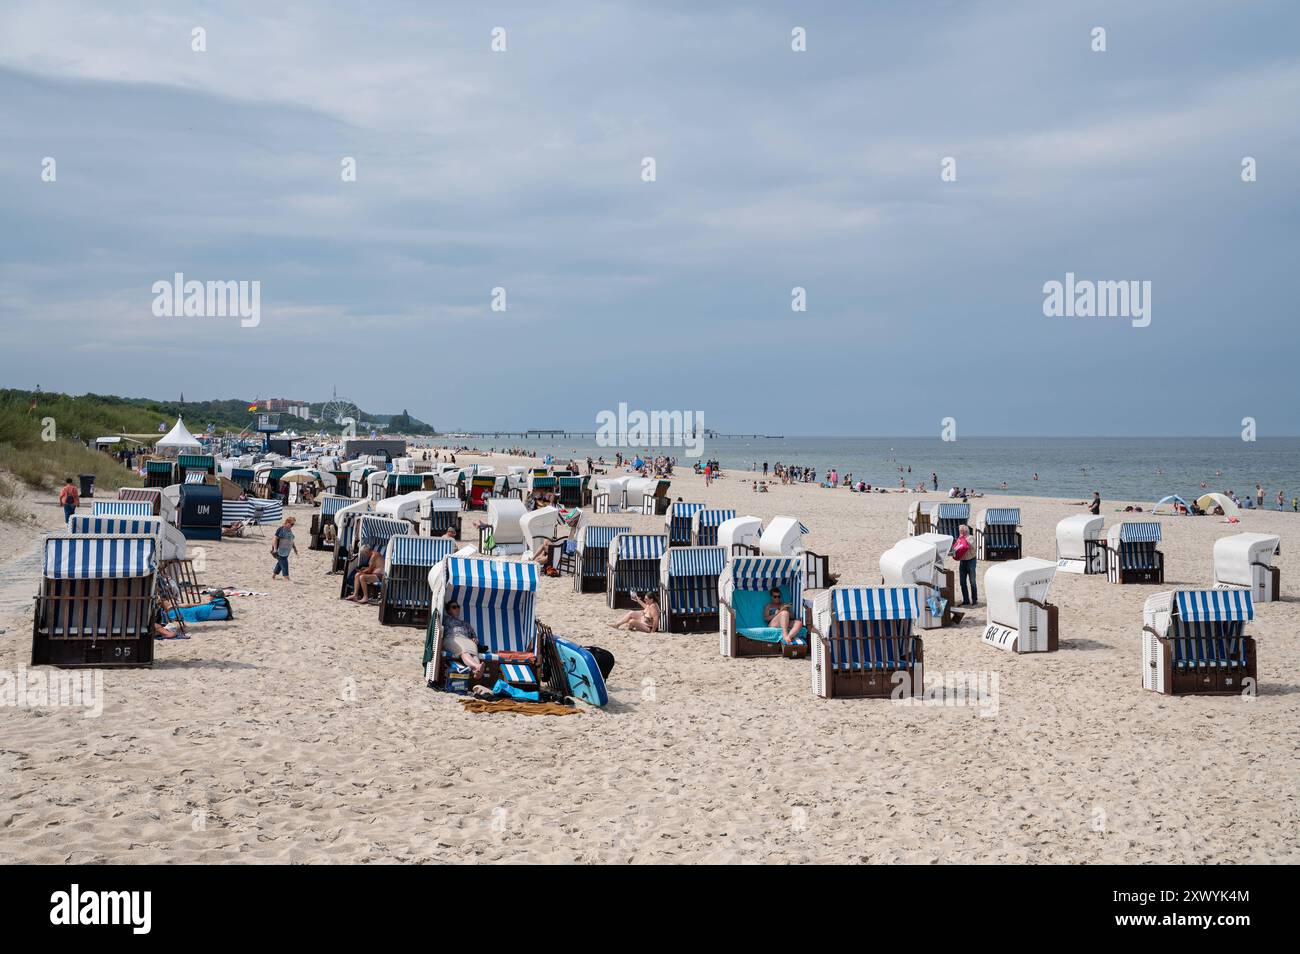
[[1120, 468]]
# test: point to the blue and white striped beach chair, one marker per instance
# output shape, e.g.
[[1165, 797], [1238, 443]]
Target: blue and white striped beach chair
[[948, 518], [1131, 553], [330, 504], [592, 560], [122, 508], [497, 600], [704, 526], [404, 599], [1194, 642], [688, 588], [633, 567], [744, 590], [97, 602], [677, 523], [374, 532], [864, 644], [997, 534]]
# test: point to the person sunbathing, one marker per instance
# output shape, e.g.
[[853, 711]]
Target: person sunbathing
[[236, 529], [458, 638], [777, 613], [644, 620], [371, 573]]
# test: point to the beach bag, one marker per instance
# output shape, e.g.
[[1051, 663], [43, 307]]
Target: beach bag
[[604, 660], [961, 547]]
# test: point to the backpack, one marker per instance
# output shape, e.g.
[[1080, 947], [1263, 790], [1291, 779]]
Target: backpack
[[604, 660]]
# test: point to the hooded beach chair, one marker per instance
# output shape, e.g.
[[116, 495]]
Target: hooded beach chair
[[864, 645], [1079, 544], [479, 492], [404, 507], [1131, 553], [330, 504], [647, 495], [997, 534], [633, 567], [948, 518], [688, 588], [405, 597], [739, 536], [243, 476], [97, 602], [592, 561], [743, 591], [438, 514], [502, 534], [496, 598], [677, 522], [1244, 561], [370, 530], [704, 526], [1020, 620], [572, 491], [159, 473], [784, 537], [149, 495], [918, 516], [610, 494], [917, 562], [1194, 642], [196, 463], [124, 508], [171, 551]]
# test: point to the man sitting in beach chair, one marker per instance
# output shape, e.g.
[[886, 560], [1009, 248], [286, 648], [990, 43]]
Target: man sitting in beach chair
[[368, 574]]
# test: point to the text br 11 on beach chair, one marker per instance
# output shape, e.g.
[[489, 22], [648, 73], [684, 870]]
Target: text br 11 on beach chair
[[704, 526], [863, 643], [1131, 554], [593, 557], [688, 589], [97, 603], [633, 567], [1020, 619], [1194, 643], [997, 534], [1244, 561], [404, 599], [744, 589]]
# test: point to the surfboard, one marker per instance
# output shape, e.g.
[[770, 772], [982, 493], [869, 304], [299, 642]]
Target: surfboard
[[580, 672]]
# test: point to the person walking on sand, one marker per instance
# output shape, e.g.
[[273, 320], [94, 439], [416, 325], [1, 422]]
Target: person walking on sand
[[1281, 500], [69, 498], [963, 550], [282, 546], [1094, 508]]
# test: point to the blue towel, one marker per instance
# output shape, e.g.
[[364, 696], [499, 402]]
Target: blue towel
[[503, 688], [762, 634]]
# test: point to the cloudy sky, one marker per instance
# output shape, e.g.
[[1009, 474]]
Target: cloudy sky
[[775, 169]]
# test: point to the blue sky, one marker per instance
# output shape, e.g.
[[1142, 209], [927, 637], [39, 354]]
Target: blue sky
[[775, 169]]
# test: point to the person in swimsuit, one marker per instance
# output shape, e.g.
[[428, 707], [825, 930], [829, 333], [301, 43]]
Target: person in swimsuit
[[458, 639], [777, 613], [644, 620]]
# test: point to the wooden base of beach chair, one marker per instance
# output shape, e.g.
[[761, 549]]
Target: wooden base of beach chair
[[133, 651], [588, 584], [690, 623], [1203, 680], [390, 615], [874, 684]]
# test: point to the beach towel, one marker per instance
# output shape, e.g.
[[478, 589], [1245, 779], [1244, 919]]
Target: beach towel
[[521, 708], [762, 634]]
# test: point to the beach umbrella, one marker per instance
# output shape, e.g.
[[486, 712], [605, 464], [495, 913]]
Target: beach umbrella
[[302, 477], [1208, 502]]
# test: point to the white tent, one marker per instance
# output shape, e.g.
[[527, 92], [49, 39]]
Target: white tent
[[178, 439]]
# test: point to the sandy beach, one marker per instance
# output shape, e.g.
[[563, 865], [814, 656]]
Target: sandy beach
[[302, 731]]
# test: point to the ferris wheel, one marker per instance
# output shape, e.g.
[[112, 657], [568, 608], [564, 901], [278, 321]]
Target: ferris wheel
[[337, 408]]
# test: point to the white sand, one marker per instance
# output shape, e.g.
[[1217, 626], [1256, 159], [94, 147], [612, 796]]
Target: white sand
[[302, 731]]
